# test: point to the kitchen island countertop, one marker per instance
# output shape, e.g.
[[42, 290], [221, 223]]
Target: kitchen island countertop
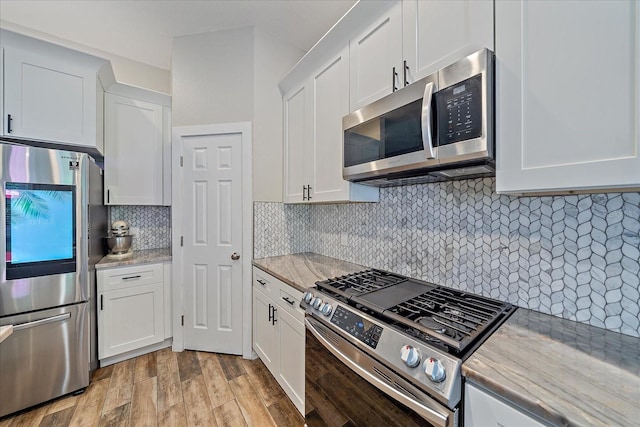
[[302, 271], [148, 256], [565, 372]]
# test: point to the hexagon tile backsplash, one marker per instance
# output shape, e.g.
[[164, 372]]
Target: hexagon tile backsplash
[[153, 224], [576, 257]]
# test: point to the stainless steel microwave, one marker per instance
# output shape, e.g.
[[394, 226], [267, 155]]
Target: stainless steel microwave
[[438, 128]]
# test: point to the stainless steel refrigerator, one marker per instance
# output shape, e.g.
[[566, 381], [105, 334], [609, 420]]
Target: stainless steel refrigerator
[[50, 237]]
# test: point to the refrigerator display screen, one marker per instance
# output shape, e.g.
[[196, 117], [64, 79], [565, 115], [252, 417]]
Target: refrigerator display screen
[[40, 229]]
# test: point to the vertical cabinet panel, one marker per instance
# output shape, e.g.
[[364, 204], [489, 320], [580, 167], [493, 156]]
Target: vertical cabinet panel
[[291, 370], [134, 151], [438, 33], [557, 129], [374, 54]]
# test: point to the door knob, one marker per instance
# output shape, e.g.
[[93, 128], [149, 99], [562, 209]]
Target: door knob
[[235, 256]]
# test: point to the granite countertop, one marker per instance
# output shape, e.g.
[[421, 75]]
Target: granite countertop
[[5, 331], [303, 270], [139, 257], [565, 372]]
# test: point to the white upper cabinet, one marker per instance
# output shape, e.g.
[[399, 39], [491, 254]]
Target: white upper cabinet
[[51, 94], [136, 152], [376, 59], [413, 39], [568, 105], [330, 99], [330, 86], [313, 138], [438, 33], [295, 128]]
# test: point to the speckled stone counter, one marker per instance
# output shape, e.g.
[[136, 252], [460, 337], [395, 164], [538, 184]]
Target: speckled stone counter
[[139, 257], [567, 373], [303, 270]]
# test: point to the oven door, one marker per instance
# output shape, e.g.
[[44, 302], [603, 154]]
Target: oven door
[[345, 386]]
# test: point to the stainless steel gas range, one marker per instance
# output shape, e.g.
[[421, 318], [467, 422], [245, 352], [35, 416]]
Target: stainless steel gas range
[[383, 349]]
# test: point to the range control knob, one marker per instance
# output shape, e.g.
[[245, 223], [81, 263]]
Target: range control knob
[[317, 302], [307, 297], [326, 309], [434, 370], [410, 356]]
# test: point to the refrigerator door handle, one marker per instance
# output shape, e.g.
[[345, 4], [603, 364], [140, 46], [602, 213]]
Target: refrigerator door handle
[[40, 322]]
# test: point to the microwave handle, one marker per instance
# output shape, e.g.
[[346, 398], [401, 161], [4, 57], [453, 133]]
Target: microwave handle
[[427, 141]]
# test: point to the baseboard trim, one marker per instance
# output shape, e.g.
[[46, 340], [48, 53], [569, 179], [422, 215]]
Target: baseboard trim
[[135, 353]]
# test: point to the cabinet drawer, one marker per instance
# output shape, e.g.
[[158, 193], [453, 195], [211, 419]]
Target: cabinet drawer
[[289, 299], [124, 277], [268, 284]]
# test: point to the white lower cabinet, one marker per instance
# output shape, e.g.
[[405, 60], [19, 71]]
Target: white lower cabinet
[[483, 409], [131, 309], [279, 333], [264, 330]]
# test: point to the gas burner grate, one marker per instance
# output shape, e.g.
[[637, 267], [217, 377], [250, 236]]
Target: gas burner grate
[[443, 317], [454, 316], [360, 283]]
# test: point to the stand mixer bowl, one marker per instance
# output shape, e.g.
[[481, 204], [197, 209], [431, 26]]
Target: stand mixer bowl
[[119, 244]]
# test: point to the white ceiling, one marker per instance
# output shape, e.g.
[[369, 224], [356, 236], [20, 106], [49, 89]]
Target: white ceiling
[[143, 30]]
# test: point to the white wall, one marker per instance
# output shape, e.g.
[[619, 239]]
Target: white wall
[[232, 76], [273, 58], [212, 78], [126, 71]]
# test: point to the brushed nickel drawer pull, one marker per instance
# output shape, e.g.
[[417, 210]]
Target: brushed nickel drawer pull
[[291, 302]]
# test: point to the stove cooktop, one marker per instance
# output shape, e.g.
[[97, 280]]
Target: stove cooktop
[[449, 319]]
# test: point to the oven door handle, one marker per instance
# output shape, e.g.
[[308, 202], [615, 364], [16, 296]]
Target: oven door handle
[[435, 417], [427, 141]]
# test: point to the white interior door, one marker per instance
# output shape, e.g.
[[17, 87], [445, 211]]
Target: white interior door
[[212, 242]]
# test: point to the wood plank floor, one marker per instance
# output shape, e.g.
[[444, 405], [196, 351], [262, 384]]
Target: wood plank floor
[[171, 389]]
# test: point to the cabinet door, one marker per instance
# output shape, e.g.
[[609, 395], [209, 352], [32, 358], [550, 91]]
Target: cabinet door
[[264, 331], [129, 319], [295, 138], [134, 157], [330, 97], [291, 372], [376, 58], [567, 100], [482, 409], [48, 98], [438, 33]]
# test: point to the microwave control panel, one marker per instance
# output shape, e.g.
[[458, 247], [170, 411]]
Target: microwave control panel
[[460, 111]]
